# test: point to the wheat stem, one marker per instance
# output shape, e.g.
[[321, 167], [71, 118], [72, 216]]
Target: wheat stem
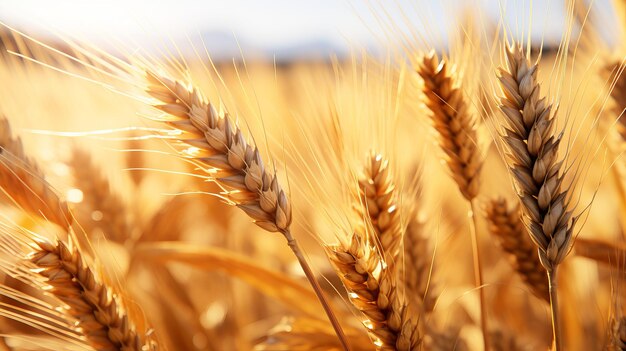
[[478, 274], [554, 308], [297, 251]]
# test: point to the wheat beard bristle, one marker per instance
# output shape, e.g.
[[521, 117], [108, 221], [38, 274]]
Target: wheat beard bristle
[[377, 196], [532, 158], [101, 318], [373, 291], [507, 226], [451, 118], [224, 150], [23, 181]]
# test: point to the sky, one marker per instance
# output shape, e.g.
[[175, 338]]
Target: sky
[[270, 24]]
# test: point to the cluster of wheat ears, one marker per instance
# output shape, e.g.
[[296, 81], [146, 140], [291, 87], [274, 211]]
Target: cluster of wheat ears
[[120, 236]]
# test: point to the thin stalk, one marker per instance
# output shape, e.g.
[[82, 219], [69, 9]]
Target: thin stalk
[[478, 275], [293, 244], [554, 307]]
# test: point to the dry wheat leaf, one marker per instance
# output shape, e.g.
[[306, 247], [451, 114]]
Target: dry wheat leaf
[[274, 284]]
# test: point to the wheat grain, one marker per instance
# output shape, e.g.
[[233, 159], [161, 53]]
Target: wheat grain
[[99, 312], [23, 182], [506, 225]]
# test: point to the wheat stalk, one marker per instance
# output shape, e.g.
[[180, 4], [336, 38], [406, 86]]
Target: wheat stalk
[[373, 291], [378, 203], [99, 312], [23, 182], [507, 226], [533, 163], [232, 162], [458, 139]]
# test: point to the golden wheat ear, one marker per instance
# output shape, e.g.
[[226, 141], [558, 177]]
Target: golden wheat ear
[[506, 225], [80, 306], [534, 164], [373, 290], [24, 184], [233, 163], [454, 123], [378, 203], [417, 269], [101, 317], [457, 129], [98, 197]]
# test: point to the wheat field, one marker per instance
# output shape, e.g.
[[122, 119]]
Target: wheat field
[[464, 196]]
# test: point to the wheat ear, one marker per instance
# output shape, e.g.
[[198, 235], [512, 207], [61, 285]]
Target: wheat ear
[[534, 165], [373, 291], [232, 162], [377, 197], [507, 226], [452, 120], [99, 312], [417, 267], [458, 139], [98, 196], [23, 182]]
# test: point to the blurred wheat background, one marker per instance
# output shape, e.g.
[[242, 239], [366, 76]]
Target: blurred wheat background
[[400, 182]]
